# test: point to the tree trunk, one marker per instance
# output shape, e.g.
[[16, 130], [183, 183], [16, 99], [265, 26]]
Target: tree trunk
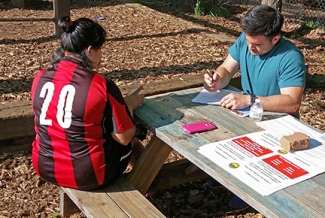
[[277, 4]]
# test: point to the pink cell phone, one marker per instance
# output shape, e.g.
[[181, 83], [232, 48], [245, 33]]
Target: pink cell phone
[[198, 127]]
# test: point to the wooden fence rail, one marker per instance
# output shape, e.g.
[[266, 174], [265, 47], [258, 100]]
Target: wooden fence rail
[[15, 19], [61, 8]]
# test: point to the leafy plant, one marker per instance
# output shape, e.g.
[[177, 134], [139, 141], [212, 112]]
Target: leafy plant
[[219, 9], [314, 24], [197, 9], [55, 214], [215, 8]]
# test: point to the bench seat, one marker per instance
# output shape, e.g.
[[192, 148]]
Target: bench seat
[[120, 199]]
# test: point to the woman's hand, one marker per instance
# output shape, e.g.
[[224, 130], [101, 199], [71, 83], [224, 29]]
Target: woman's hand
[[134, 99]]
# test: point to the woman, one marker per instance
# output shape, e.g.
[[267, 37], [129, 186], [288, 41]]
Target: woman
[[84, 127]]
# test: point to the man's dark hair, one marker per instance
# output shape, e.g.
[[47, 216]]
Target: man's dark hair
[[78, 35], [262, 20]]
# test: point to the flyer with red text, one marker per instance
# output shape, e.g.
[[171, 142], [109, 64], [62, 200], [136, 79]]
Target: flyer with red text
[[258, 160]]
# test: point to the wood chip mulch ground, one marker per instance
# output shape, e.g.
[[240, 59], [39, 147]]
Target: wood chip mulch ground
[[144, 45]]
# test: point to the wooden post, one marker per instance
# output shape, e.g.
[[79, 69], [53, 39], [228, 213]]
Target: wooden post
[[61, 8], [277, 4]]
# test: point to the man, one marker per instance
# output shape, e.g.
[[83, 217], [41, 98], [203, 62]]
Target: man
[[272, 69]]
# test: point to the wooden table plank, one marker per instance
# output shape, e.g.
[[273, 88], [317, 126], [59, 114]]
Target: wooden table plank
[[310, 193], [221, 115], [319, 180], [165, 119]]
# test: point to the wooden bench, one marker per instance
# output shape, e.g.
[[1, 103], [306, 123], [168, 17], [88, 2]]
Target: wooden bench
[[17, 121], [120, 199]]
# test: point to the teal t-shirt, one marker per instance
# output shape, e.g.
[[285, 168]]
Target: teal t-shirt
[[264, 75]]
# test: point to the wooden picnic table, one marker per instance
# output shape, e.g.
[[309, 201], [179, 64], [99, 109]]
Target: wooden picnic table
[[164, 114]]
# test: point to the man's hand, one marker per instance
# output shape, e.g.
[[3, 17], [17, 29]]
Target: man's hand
[[235, 101], [212, 82]]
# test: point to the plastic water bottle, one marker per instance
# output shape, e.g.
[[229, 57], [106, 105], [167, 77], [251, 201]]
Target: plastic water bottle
[[256, 111]]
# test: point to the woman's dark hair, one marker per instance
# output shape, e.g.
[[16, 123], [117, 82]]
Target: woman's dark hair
[[263, 20], [57, 56], [78, 35]]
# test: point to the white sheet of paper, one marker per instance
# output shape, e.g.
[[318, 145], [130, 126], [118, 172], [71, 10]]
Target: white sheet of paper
[[206, 97], [214, 98], [287, 125]]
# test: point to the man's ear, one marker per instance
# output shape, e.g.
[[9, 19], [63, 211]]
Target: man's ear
[[276, 39]]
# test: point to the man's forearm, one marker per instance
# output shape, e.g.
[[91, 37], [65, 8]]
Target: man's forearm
[[224, 76], [280, 103]]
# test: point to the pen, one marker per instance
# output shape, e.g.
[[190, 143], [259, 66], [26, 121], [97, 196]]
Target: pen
[[213, 75]]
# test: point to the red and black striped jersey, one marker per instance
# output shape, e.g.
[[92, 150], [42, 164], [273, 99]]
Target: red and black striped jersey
[[75, 112]]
